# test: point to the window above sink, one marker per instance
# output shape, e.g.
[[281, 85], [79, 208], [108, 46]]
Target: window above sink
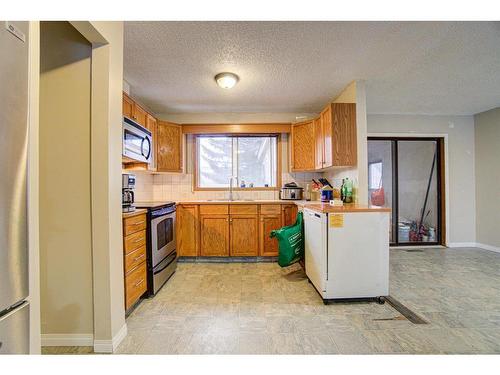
[[252, 159]]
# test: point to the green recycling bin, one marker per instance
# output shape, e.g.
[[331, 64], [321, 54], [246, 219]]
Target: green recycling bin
[[290, 242]]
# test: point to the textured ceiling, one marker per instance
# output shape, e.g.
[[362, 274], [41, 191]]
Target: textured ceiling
[[409, 67]]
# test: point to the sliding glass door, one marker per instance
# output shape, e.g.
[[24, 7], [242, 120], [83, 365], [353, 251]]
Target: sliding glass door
[[405, 174]]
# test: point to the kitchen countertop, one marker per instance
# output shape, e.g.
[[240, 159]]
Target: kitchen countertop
[[138, 211], [216, 201], [347, 208], [152, 204]]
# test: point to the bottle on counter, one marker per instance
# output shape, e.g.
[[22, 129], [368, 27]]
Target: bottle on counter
[[348, 191], [308, 192]]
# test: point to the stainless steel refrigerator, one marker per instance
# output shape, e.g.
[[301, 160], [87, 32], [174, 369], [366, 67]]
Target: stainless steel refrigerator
[[14, 306]]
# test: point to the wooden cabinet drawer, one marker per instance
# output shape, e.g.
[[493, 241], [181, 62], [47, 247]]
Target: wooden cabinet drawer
[[243, 209], [217, 209], [134, 224], [134, 258], [270, 209], [135, 285], [134, 241]]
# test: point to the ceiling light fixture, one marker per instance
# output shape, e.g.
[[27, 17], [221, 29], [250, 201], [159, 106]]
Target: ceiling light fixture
[[226, 80]]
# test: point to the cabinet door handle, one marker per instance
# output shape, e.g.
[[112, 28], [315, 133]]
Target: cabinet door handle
[[138, 283]]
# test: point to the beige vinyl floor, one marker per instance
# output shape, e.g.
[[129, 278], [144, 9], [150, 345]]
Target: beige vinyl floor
[[259, 308]]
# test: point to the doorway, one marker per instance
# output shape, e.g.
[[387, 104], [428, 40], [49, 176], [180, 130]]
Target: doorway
[[407, 175]]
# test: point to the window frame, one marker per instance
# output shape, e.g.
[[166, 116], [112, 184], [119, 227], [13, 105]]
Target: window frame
[[237, 188]]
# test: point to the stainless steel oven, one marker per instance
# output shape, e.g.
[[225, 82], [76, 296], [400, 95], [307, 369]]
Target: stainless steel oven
[[136, 140], [162, 257]]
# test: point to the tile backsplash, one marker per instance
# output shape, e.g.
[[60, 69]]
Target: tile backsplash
[[179, 187]]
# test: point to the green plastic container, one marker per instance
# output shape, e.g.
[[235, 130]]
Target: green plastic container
[[290, 242]]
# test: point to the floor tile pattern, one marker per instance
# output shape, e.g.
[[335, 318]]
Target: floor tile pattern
[[259, 308]]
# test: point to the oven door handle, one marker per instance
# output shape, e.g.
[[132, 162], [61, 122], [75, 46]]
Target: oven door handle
[[165, 266]]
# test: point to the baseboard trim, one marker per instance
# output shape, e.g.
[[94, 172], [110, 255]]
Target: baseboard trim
[[462, 244], [67, 339], [475, 244], [488, 247], [109, 346]]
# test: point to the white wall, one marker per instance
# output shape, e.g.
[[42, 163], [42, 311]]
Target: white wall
[[487, 137], [460, 164]]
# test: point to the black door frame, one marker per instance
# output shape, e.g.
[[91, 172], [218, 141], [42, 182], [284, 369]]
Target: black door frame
[[440, 239]]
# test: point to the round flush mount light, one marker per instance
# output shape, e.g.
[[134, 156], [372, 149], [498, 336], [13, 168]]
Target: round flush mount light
[[226, 80]]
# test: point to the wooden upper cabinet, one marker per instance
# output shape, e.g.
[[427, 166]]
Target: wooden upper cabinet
[[344, 126], [244, 235], [327, 141], [339, 131], [188, 230], [326, 122], [214, 235], [169, 147], [127, 106], [134, 111], [140, 115], [302, 146], [318, 144], [151, 125]]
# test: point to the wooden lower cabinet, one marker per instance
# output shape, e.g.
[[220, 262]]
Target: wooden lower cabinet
[[244, 235], [289, 214], [214, 235], [134, 258], [188, 230], [210, 230], [135, 285], [268, 223]]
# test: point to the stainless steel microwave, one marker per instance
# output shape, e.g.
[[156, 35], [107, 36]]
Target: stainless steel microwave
[[137, 144]]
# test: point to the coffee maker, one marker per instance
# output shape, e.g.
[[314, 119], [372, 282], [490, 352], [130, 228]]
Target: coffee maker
[[128, 185]]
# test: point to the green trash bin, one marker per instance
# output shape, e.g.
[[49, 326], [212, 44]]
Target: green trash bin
[[290, 242]]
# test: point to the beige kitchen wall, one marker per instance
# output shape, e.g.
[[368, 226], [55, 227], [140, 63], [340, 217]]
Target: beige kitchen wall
[[487, 163], [459, 130], [80, 186], [107, 83], [33, 187], [65, 198]]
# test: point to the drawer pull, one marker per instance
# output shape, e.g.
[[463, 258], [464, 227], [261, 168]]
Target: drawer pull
[[139, 257], [139, 240], [138, 283], [138, 223]]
